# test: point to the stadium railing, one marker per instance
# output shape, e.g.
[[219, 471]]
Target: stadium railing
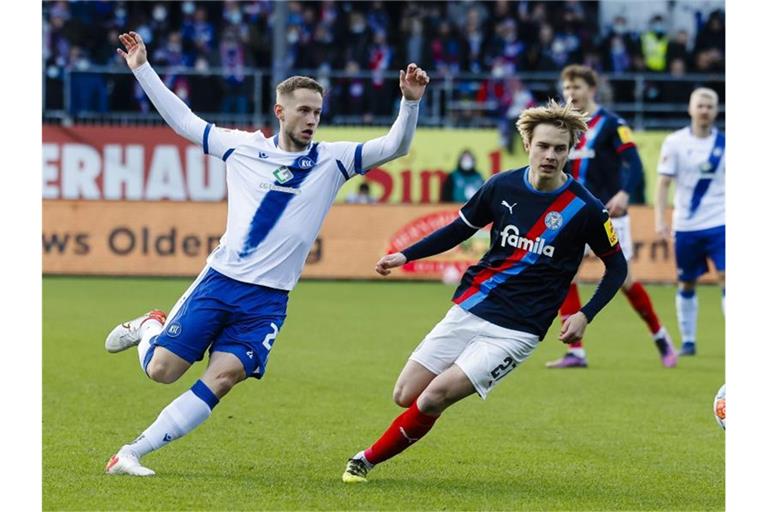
[[451, 99]]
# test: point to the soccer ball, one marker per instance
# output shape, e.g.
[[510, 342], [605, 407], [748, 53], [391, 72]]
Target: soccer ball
[[719, 407]]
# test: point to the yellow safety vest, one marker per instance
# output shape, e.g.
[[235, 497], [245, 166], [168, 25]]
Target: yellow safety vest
[[655, 51]]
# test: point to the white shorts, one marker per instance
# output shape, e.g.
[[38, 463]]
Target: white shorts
[[624, 233], [485, 352]]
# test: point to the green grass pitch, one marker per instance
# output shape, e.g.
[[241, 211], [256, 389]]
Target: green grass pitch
[[626, 434]]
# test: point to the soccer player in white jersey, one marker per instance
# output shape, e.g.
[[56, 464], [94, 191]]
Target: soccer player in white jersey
[[695, 158], [280, 189]]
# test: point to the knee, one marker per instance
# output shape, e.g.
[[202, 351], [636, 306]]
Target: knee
[[433, 400], [686, 286], [401, 397], [162, 372]]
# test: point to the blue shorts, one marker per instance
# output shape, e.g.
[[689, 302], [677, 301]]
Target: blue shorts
[[220, 314], [692, 248]]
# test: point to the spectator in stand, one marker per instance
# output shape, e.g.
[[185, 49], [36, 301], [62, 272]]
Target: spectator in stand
[[535, 58], [621, 54], [362, 196], [378, 17], [319, 51], [654, 44], [352, 93], [709, 49], [463, 181], [474, 35], [678, 49], [506, 45], [232, 55], [414, 41], [198, 31], [356, 40], [379, 61], [446, 50], [520, 98]]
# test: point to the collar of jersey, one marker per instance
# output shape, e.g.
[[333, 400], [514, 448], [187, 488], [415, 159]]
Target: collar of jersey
[[276, 140], [557, 191]]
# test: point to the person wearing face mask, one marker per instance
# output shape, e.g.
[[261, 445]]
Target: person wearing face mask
[[654, 43], [463, 182]]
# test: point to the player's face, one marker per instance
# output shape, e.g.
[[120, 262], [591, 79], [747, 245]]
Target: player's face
[[548, 150], [702, 109], [579, 92], [299, 115]]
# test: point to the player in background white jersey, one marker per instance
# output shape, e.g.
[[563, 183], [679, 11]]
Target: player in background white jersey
[[279, 191], [695, 158]]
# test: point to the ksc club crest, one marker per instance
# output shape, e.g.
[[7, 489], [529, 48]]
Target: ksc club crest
[[553, 220], [305, 162]]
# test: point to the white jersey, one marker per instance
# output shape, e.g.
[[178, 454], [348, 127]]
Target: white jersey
[[698, 166], [276, 203], [276, 200]]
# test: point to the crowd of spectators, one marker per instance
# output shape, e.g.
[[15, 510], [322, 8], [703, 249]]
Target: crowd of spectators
[[496, 39]]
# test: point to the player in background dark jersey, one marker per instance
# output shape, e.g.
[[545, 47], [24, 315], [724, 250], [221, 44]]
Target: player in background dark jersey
[[606, 161], [542, 218]]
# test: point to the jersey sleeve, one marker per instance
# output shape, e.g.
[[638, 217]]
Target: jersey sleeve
[[600, 235], [668, 158], [348, 157], [221, 142], [358, 157], [477, 212], [632, 168]]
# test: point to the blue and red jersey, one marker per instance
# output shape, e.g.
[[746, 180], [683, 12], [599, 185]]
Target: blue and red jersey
[[605, 158], [537, 244]]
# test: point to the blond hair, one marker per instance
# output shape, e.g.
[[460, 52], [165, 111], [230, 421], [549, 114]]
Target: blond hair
[[290, 84], [705, 91], [555, 114]]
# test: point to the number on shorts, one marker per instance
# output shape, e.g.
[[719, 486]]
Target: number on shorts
[[505, 367], [269, 339]]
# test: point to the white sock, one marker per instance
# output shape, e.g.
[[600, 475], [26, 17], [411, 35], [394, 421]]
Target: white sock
[[578, 352], [148, 330], [179, 418], [687, 314], [661, 333], [361, 456]]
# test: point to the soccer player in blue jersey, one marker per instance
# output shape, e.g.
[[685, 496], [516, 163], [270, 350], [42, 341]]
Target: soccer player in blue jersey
[[606, 161], [694, 157], [279, 191], [541, 219]]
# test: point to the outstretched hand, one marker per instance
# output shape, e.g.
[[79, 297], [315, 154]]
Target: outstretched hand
[[137, 52], [413, 81], [389, 261]]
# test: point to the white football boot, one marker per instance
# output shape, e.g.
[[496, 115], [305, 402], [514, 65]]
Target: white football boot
[[128, 334], [125, 462]]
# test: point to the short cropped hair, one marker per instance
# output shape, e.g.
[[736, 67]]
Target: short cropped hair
[[290, 84], [575, 71], [555, 114], [705, 91]]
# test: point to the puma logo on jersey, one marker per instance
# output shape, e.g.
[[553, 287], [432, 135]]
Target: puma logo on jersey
[[510, 235], [505, 203]]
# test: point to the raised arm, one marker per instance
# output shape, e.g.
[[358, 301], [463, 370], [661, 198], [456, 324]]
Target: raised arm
[[396, 143], [174, 111]]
